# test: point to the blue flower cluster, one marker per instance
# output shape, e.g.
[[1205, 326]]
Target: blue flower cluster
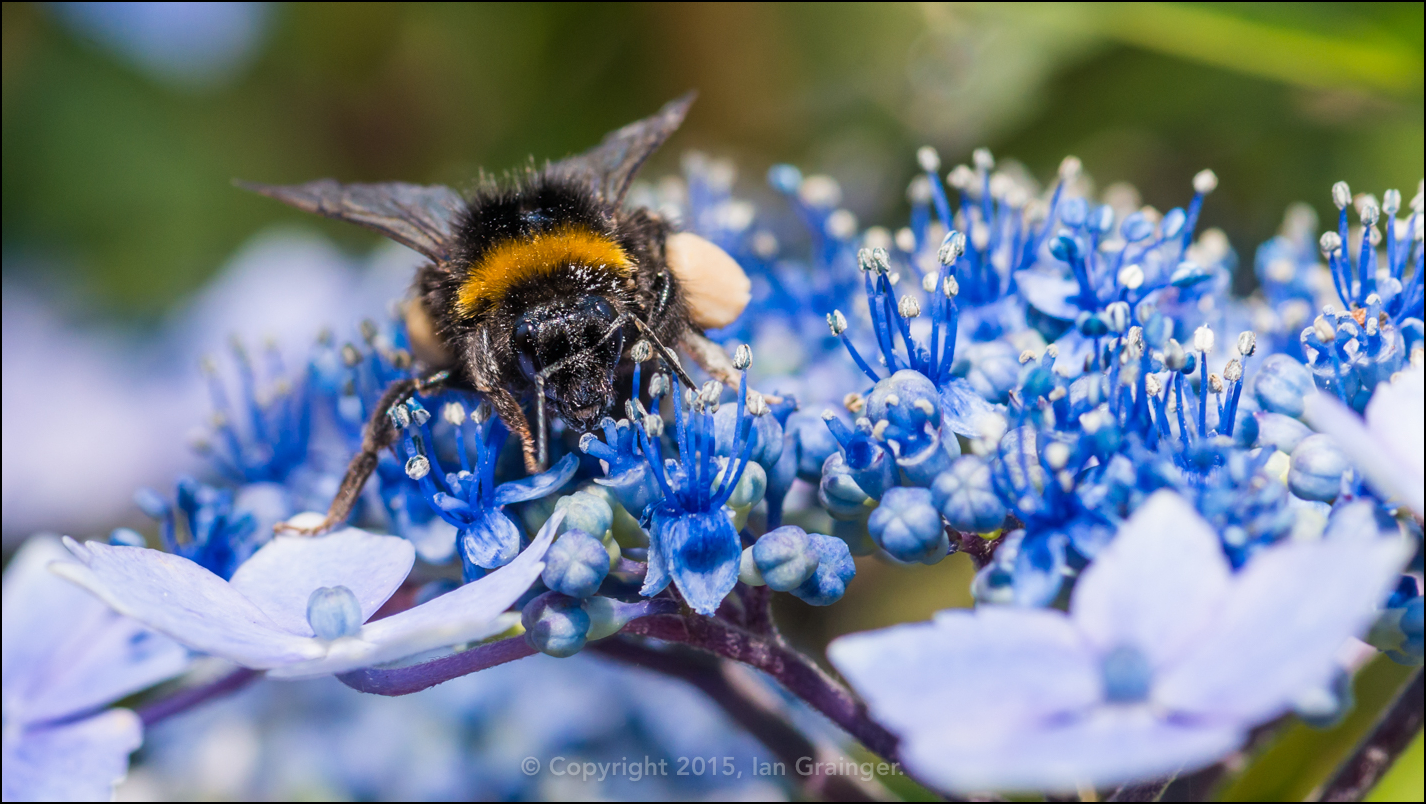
[[1023, 374]]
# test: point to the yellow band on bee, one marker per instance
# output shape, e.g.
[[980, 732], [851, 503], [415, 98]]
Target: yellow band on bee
[[517, 261]]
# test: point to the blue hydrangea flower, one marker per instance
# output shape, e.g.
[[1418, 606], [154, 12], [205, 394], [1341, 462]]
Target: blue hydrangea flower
[[1164, 661], [692, 541], [205, 527], [297, 608], [470, 499], [66, 657]]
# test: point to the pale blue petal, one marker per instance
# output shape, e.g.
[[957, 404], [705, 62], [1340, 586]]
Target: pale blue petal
[[994, 671], [79, 761], [1110, 746], [1157, 586], [1039, 569], [656, 577], [435, 541], [1285, 617], [491, 540], [962, 408], [1388, 446], [1050, 292], [536, 486], [473, 612], [1073, 348], [65, 652], [702, 553], [175, 596], [281, 576]]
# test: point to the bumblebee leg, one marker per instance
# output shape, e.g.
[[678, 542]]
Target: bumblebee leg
[[508, 409], [379, 435]]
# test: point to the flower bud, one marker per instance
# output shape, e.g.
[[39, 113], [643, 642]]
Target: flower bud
[[835, 569], [908, 526], [584, 511], [333, 612], [785, 558], [576, 564], [1317, 468], [1282, 384], [555, 624]]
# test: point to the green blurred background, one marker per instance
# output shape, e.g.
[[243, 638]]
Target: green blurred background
[[118, 153], [124, 127]]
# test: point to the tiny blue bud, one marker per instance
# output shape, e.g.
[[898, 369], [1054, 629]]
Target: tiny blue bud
[[965, 496], [814, 444], [555, 624], [1101, 220], [784, 178], [1172, 224], [586, 512], [1317, 469], [576, 564], [333, 612], [1064, 247], [151, 503], [126, 537], [751, 487], [1136, 227], [909, 527], [1188, 274], [835, 569], [1278, 431], [785, 558], [1126, 675], [838, 492], [1091, 325], [1074, 211], [1282, 384]]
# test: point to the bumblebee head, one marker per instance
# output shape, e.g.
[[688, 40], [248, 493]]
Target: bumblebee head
[[572, 348]]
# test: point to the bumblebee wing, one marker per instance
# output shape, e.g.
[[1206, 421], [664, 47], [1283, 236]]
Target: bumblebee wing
[[422, 217], [610, 166]]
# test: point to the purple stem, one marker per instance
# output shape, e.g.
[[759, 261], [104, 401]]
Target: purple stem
[[791, 669], [1393, 733], [186, 699], [417, 677]]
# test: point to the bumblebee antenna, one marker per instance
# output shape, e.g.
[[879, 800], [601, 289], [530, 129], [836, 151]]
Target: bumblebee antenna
[[667, 354]]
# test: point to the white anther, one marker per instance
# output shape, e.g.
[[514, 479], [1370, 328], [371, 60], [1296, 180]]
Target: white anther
[[453, 412], [418, 467], [853, 402], [481, 414], [710, 394], [1341, 195], [842, 225], [1152, 385], [925, 406], [1203, 339], [1057, 455], [653, 425], [401, 416], [1070, 168], [951, 287], [982, 159], [961, 177], [928, 159], [880, 261], [742, 357], [892, 400], [1323, 330], [1057, 393], [820, 191], [1026, 356], [905, 238], [1052, 350], [659, 385], [757, 405], [1233, 372], [1215, 383], [928, 283], [908, 307], [1204, 181], [1131, 276], [586, 441], [641, 350], [1247, 343], [1329, 243], [919, 190], [1391, 202], [1370, 212], [837, 322], [952, 247]]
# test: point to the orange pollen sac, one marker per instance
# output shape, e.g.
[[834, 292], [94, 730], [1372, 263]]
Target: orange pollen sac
[[519, 260], [1360, 316]]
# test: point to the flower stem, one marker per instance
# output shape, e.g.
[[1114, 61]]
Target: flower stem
[[186, 699], [1393, 733], [417, 677], [770, 655]]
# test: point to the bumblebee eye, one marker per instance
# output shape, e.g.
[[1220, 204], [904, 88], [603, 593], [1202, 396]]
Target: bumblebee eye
[[523, 339]]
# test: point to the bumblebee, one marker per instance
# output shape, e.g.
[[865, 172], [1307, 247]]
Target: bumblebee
[[539, 289]]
